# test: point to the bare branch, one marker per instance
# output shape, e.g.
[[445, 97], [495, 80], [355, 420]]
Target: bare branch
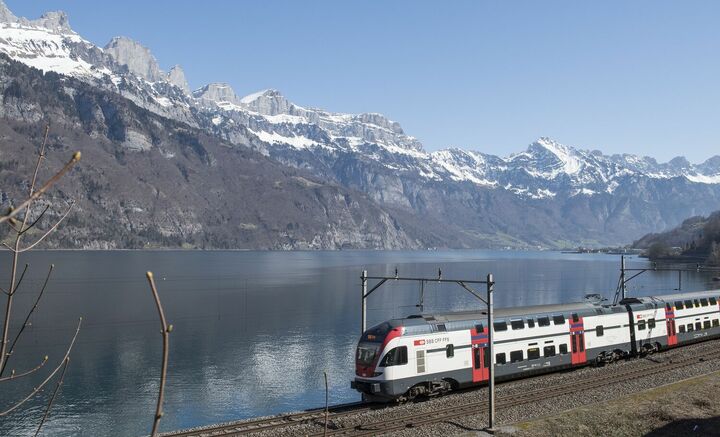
[[75, 158], [41, 156], [49, 231], [9, 247], [166, 339], [42, 384], [35, 222], [22, 275], [13, 375], [52, 398], [27, 319]]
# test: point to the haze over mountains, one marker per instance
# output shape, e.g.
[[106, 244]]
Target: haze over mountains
[[169, 167]]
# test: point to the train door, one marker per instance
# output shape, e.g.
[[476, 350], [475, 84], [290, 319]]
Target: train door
[[670, 323], [577, 341], [480, 356]]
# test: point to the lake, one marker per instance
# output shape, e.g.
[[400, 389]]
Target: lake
[[253, 331]]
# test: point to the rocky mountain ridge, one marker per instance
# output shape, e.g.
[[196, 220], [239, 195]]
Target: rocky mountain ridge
[[549, 194]]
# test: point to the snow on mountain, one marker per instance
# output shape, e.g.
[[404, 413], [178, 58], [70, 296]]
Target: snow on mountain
[[297, 135], [47, 44]]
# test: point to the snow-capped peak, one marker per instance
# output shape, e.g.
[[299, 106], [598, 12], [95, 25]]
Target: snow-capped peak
[[268, 102], [56, 21], [262, 93], [566, 157], [218, 94]]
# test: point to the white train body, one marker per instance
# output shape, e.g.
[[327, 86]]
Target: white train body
[[426, 354]]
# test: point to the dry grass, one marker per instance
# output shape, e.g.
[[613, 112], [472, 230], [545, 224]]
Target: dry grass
[[689, 407]]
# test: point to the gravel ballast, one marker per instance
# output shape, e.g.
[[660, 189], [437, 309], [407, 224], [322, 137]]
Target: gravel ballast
[[687, 407]]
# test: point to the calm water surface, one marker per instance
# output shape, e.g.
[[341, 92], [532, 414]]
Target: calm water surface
[[253, 331]]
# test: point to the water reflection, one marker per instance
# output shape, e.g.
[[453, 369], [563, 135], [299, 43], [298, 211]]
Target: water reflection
[[253, 331]]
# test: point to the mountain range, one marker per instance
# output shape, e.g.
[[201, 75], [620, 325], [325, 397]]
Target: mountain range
[[171, 167]]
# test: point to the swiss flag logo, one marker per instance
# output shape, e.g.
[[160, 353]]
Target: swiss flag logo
[[419, 343]]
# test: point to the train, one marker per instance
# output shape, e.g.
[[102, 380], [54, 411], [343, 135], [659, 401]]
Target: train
[[431, 354]]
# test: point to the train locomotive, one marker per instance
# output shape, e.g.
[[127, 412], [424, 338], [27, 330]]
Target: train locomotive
[[430, 354]]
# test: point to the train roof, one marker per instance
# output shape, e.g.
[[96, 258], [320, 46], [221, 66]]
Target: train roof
[[592, 305], [683, 296]]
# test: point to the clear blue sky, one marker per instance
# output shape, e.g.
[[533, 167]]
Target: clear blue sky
[[640, 77]]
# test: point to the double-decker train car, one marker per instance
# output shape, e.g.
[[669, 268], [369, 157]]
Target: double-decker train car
[[435, 353]]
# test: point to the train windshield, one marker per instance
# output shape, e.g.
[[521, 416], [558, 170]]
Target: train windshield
[[366, 353], [376, 334], [370, 343]]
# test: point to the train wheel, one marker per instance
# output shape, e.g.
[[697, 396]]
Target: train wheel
[[451, 385]]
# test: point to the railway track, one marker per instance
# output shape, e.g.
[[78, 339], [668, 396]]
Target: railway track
[[515, 400], [439, 415]]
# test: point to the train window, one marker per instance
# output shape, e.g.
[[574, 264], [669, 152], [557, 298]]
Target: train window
[[559, 320], [575, 318], [697, 303], [479, 328], [668, 306], [716, 323], [581, 342], [516, 356], [641, 325], [533, 353], [517, 324], [682, 328], [713, 301], [563, 349], [449, 351], [651, 323], [544, 321], [500, 326], [707, 324], [688, 304], [549, 351], [441, 327], [486, 358], [704, 302], [679, 305], [574, 343], [599, 331], [531, 323], [500, 358], [698, 326], [690, 327], [396, 357]]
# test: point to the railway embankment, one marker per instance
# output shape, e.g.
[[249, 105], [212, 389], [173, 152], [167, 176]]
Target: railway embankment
[[687, 407], [564, 403]]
